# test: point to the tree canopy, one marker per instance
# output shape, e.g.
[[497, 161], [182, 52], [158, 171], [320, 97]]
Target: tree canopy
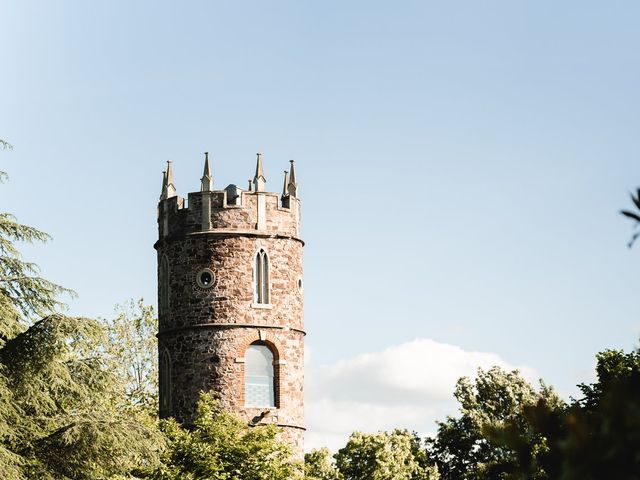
[[133, 349], [594, 437], [63, 412], [220, 446], [462, 448], [396, 455]]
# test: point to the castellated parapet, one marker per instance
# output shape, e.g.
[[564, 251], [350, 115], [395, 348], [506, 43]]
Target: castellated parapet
[[230, 289]]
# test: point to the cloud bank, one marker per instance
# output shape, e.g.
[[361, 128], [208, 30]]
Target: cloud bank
[[407, 386]]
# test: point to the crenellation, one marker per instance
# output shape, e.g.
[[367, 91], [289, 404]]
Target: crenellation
[[242, 216]]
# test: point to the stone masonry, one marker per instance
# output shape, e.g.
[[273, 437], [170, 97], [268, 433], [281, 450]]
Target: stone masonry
[[205, 328]]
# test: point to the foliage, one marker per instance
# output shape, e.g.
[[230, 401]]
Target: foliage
[[384, 456], [320, 465], [596, 437], [63, 412], [222, 447], [133, 348], [24, 295], [603, 429], [463, 449], [66, 410]]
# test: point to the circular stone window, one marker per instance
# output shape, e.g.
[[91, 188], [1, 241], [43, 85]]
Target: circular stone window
[[205, 278]]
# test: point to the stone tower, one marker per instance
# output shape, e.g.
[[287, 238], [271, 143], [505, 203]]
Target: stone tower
[[230, 293]]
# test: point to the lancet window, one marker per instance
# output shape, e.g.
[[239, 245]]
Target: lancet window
[[261, 278]]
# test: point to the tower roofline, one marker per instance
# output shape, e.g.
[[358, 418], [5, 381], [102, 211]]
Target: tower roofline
[[256, 185]]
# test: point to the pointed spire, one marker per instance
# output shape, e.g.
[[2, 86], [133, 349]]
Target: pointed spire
[[206, 182], [168, 182], [258, 179], [168, 188], [292, 186], [286, 184], [163, 192]]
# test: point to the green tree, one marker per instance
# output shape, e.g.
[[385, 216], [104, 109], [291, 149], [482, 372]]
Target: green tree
[[63, 411], [384, 456], [133, 347], [463, 449], [24, 295], [595, 437], [603, 428], [222, 447], [320, 465]]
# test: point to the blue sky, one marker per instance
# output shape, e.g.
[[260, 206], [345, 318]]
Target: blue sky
[[461, 164]]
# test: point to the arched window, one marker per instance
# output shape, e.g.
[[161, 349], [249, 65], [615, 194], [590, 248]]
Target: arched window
[[259, 377], [164, 285], [165, 382], [261, 277]]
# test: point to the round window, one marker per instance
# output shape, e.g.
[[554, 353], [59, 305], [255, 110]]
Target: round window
[[206, 278]]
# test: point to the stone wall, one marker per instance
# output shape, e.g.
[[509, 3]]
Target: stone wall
[[179, 219]]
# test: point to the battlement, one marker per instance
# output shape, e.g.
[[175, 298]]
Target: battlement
[[232, 210]]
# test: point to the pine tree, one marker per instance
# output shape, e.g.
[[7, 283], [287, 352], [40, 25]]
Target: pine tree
[[63, 409]]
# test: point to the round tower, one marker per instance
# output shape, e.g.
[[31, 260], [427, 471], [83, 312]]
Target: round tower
[[230, 293]]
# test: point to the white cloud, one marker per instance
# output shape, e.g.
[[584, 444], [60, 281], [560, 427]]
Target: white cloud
[[408, 386]]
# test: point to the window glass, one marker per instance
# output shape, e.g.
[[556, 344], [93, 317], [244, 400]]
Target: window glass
[[259, 377], [265, 278], [258, 279], [261, 277]]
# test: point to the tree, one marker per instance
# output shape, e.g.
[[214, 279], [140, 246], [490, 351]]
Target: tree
[[133, 348], [320, 465], [221, 446], [603, 428], [63, 412], [74, 421], [24, 295], [597, 436], [462, 448], [384, 456]]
